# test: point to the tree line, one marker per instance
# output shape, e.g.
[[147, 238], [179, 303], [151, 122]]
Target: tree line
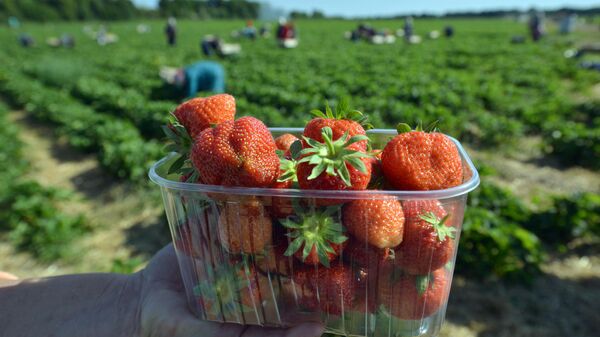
[[81, 10]]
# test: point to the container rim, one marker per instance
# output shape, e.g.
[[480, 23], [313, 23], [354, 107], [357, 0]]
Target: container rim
[[455, 191]]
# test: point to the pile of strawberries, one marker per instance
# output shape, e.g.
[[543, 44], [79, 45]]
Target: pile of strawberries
[[343, 252]]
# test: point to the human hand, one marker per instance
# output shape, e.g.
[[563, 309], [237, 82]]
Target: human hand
[[164, 311]]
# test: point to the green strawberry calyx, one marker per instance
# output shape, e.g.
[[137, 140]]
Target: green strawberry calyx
[[423, 282], [288, 166], [180, 142], [314, 229], [332, 156], [439, 225], [343, 111], [404, 128], [223, 287]]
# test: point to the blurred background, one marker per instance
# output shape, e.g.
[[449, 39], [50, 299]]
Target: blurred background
[[85, 86]]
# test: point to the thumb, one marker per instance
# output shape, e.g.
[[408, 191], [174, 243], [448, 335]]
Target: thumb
[[306, 330]]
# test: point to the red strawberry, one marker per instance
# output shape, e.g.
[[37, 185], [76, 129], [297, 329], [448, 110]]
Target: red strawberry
[[343, 121], [334, 165], [236, 153], [413, 297], [380, 222], [364, 255], [200, 113], [417, 160], [315, 236], [336, 287], [428, 237], [244, 227], [284, 141]]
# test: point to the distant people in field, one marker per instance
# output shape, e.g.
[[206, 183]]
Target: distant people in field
[[197, 77], [408, 28], [65, 40], [362, 32], [578, 54], [13, 22], [448, 31], [213, 45], [567, 24], [249, 31], [26, 40], [265, 30], [171, 31], [103, 37], [287, 36], [536, 25]]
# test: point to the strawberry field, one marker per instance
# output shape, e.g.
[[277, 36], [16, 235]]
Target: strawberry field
[[501, 100]]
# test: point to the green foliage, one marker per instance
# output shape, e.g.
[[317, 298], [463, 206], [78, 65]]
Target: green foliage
[[568, 218], [492, 245], [36, 224], [574, 143], [29, 212]]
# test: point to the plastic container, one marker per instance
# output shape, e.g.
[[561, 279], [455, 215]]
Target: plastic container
[[230, 246]]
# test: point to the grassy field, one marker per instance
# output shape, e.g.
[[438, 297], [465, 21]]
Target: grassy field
[[88, 119]]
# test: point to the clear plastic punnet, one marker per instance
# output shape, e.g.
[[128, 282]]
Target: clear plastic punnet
[[231, 246]]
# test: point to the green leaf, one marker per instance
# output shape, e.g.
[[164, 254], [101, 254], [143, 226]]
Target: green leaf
[[357, 164], [317, 170], [328, 111], [422, 283], [295, 149], [403, 128], [318, 113], [344, 174], [176, 165], [169, 133], [294, 246], [307, 248]]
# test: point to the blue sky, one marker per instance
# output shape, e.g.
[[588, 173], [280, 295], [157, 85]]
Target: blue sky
[[383, 7]]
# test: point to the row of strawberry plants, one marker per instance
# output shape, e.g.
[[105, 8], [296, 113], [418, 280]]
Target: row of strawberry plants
[[30, 217], [120, 147], [103, 95], [502, 236]]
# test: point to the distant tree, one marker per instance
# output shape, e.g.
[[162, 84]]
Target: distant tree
[[316, 14]]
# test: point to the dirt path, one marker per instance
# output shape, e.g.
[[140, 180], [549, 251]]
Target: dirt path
[[107, 205]]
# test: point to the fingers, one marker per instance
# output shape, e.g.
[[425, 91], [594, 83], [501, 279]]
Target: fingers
[[302, 330], [7, 276]]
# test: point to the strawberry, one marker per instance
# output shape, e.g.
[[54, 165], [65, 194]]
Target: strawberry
[[417, 160], [364, 255], [236, 153], [336, 287], [379, 222], [334, 165], [200, 113], [412, 297], [343, 121], [314, 235], [244, 227], [284, 141], [428, 237]]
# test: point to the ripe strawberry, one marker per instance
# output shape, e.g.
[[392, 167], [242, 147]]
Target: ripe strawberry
[[428, 237], [364, 255], [336, 287], [315, 236], [244, 227], [379, 222], [334, 165], [413, 297], [416, 160], [236, 153], [343, 121], [284, 141], [200, 113]]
